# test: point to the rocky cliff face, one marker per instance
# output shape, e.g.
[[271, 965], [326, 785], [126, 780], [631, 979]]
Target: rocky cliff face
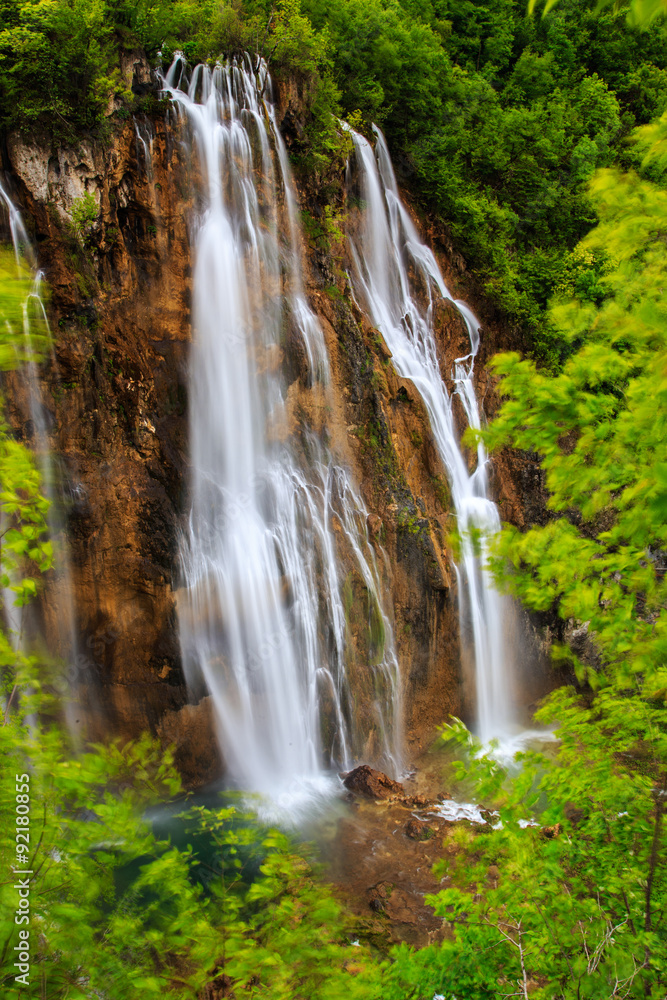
[[115, 387], [116, 391]]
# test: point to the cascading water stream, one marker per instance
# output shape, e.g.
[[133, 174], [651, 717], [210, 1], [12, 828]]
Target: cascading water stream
[[144, 149], [261, 613], [34, 315], [304, 317], [389, 246]]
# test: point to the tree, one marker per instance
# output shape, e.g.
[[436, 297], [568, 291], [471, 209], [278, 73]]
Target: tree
[[568, 898], [640, 12]]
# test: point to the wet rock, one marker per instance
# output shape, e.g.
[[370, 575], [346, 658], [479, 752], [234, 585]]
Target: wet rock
[[120, 397], [381, 346], [137, 72], [378, 896], [581, 640], [191, 733], [374, 524], [574, 814], [402, 907], [417, 801], [417, 830], [365, 780]]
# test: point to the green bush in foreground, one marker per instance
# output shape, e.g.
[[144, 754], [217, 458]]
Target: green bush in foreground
[[572, 907], [116, 910]]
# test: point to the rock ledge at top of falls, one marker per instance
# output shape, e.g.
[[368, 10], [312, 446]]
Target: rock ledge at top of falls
[[365, 780]]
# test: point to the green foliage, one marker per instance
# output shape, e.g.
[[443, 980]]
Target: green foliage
[[599, 427], [571, 906], [57, 57], [117, 909], [25, 547], [88, 931], [84, 215], [498, 122], [23, 331], [581, 275], [293, 47], [295, 44], [20, 312], [204, 29], [25, 550], [60, 59], [15, 281], [641, 12]]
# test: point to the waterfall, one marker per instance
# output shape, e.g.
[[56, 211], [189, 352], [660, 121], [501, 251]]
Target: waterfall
[[388, 256], [144, 150], [275, 525], [36, 336]]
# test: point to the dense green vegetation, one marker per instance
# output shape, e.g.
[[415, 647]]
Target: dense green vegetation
[[585, 909], [571, 907], [26, 551], [496, 120], [117, 910], [575, 905]]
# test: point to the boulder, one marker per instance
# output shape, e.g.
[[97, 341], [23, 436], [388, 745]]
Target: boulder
[[364, 780], [378, 896]]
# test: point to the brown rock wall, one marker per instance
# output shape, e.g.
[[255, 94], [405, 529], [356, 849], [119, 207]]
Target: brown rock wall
[[115, 389]]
